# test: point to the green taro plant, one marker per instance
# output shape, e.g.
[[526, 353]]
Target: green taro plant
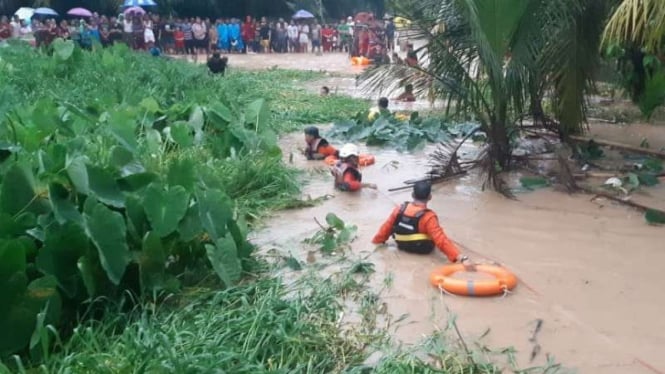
[[338, 235]]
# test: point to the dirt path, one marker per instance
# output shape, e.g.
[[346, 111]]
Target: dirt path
[[590, 270]]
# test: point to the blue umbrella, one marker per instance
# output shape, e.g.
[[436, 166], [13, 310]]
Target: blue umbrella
[[45, 12], [132, 3], [302, 14]]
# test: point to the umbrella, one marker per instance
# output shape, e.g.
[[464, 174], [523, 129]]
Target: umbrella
[[45, 12], [80, 12], [138, 3], [134, 9], [24, 13], [302, 14]]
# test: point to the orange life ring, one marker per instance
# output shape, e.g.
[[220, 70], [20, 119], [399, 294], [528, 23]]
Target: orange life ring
[[363, 160], [505, 280]]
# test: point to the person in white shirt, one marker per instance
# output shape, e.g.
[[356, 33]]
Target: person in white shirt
[[303, 37], [127, 29], [16, 27], [292, 32]]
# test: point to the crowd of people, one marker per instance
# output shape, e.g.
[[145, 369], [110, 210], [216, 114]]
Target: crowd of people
[[196, 35]]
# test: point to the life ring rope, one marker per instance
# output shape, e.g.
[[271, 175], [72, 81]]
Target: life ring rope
[[503, 281]]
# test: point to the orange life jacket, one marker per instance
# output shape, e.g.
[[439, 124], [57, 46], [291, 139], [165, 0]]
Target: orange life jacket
[[406, 234], [313, 148], [344, 168]]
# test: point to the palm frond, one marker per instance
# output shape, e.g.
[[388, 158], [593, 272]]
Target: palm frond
[[641, 22]]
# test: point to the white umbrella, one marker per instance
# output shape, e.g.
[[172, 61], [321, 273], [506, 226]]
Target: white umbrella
[[24, 13]]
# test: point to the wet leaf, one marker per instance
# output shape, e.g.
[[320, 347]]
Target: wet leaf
[[533, 183], [152, 262], [334, 221], [223, 256], [63, 49], [190, 226], [17, 192], [78, 174], [292, 263], [63, 208], [347, 234], [63, 246], [182, 172], [182, 134], [647, 179], [165, 207], [104, 186], [655, 217], [107, 231], [214, 212], [257, 114], [123, 127]]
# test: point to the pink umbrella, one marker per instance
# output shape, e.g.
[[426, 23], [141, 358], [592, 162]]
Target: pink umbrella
[[80, 12], [134, 9]]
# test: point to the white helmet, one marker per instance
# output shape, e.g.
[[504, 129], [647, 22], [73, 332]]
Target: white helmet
[[348, 150]]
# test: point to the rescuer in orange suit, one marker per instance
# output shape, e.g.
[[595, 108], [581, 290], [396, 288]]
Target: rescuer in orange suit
[[416, 229]]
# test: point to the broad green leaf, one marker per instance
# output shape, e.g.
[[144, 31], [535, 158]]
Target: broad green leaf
[[64, 209], [329, 244], [104, 185], [150, 105], [498, 20], [120, 157], [215, 212], [258, 114], [152, 262], [655, 217], [647, 179], [293, 263], [182, 172], [107, 231], [12, 259], [223, 257], [347, 234], [136, 182], [11, 227], [533, 183], [182, 134], [334, 221], [153, 141], [219, 116], [137, 221], [44, 290], [63, 246], [190, 226], [165, 207], [123, 127], [78, 174], [196, 119], [53, 159], [63, 49], [86, 269], [17, 192]]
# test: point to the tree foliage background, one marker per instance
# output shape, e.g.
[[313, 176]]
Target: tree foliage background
[[331, 9]]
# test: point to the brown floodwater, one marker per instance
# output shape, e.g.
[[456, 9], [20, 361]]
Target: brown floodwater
[[591, 270]]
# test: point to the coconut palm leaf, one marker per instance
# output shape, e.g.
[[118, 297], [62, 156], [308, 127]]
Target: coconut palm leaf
[[638, 21]]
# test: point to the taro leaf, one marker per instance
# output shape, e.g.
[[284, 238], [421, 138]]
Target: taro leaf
[[63, 208], [17, 192], [328, 243], [223, 256], [137, 221], [104, 185], [63, 246], [293, 263], [63, 49], [257, 114], [647, 179], [136, 182], [21, 303], [11, 227], [150, 105], [12, 259], [347, 234], [632, 181], [123, 127], [653, 165], [165, 207], [220, 115], [533, 183], [86, 269], [182, 172], [655, 217], [45, 289], [182, 134], [190, 226], [107, 231], [78, 174], [153, 140], [53, 159], [152, 262], [120, 157], [196, 119], [334, 221], [215, 212]]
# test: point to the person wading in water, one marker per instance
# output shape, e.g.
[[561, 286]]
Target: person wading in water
[[317, 147], [416, 229], [346, 173]]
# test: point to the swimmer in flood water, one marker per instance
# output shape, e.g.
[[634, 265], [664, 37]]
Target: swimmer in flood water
[[407, 95], [317, 147], [346, 173], [416, 228]]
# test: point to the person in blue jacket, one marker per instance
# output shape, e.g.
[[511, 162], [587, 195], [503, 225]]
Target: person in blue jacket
[[223, 31], [236, 37]]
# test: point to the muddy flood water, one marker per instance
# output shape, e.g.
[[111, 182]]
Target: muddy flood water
[[592, 271]]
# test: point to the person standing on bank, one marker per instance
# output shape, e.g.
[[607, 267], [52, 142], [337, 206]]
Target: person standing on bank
[[416, 229]]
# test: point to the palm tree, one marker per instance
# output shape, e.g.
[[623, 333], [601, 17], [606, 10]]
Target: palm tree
[[640, 22], [488, 58]]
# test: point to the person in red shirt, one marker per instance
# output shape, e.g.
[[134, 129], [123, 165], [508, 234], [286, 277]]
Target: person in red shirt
[[416, 229], [248, 33], [5, 28], [346, 173], [327, 35], [317, 147]]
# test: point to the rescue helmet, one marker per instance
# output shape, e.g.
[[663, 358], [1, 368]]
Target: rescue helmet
[[348, 150]]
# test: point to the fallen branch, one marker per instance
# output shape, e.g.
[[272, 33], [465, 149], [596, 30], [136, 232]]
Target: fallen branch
[[624, 147], [597, 194], [431, 180]]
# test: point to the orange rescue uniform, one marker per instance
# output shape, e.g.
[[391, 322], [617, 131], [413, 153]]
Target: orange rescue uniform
[[428, 225], [320, 146]]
